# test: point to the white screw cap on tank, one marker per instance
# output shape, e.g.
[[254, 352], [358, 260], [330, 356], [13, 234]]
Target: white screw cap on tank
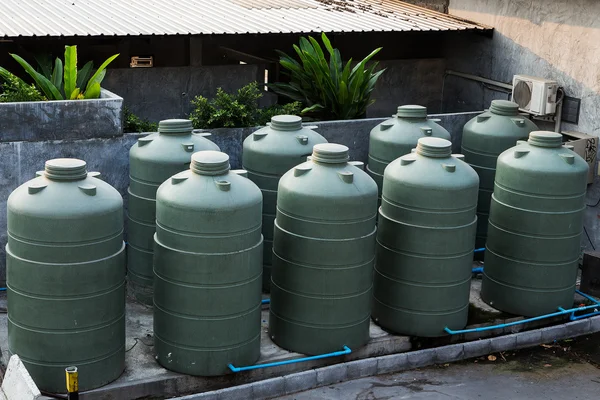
[[330, 153], [210, 162], [545, 139], [286, 123], [175, 127], [65, 169], [434, 147], [412, 111]]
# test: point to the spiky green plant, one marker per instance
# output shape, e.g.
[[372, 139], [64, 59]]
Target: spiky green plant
[[328, 88], [64, 81]]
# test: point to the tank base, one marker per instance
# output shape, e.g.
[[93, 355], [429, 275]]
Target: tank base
[[140, 277], [92, 374], [267, 256], [204, 362], [519, 301], [411, 323], [142, 293], [313, 340]]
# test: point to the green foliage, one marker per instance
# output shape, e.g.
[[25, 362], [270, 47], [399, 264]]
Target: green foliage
[[236, 110], [14, 89], [64, 81], [266, 114], [134, 124], [330, 89]]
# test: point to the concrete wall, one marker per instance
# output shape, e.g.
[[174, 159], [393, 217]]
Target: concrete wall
[[437, 5], [110, 156], [408, 82], [558, 39], [161, 93]]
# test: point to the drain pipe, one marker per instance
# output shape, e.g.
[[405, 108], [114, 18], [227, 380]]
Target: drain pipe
[[297, 360], [491, 84], [523, 321], [480, 79], [574, 317]]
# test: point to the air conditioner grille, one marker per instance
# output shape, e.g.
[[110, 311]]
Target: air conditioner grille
[[522, 94]]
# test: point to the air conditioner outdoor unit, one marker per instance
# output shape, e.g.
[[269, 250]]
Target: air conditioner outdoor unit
[[536, 96]]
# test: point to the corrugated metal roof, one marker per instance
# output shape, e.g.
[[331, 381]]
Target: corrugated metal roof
[[194, 17]]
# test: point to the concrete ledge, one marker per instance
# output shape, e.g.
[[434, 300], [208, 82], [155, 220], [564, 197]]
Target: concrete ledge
[[403, 361], [17, 383], [62, 119]]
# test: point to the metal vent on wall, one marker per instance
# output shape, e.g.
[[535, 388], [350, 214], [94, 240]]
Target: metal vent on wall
[[522, 94], [570, 110]]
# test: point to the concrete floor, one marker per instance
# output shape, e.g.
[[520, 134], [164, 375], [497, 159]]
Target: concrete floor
[[145, 378], [566, 370]]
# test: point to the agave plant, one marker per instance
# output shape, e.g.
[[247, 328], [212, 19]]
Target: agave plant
[[329, 89], [64, 81]]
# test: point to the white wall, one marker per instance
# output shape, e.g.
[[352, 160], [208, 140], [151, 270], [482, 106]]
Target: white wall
[[557, 39]]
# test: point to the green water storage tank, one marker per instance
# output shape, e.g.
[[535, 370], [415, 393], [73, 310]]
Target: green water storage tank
[[207, 268], [152, 160], [268, 154], [484, 138], [425, 238], [536, 221], [66, 276], [397, 136], [323, 252]]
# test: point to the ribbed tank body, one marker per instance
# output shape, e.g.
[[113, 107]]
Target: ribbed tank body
[[208, 268], [323, 252], [66, 276]]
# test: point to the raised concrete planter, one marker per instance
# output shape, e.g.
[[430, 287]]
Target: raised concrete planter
[[67, 119]]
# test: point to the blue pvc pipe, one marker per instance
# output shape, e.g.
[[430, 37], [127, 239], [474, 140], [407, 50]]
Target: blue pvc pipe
[[478, 270], [2, 289], [479, 250], [266, 301], [574, 317], [523, 321], [297, 360], [587, 296]]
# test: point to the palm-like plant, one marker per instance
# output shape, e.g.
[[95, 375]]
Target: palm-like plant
[[329, 89], [64, 81]]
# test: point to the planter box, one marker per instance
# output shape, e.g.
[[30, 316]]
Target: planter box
[[60, 120]]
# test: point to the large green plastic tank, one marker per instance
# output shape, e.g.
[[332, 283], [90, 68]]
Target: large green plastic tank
[[397, 136], [536, 221], [484, 138], [66, 276], [425, 238], [152, 160], [323, 253], [268, 154], [208, 268]]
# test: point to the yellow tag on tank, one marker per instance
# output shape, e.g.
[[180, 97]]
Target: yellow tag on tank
[[72, 379]]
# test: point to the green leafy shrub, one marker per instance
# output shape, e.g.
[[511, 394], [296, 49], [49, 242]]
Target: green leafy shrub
[[237, 110], [14, 89], [134, 124], [64, 81], [267, 113], [329, 89]]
